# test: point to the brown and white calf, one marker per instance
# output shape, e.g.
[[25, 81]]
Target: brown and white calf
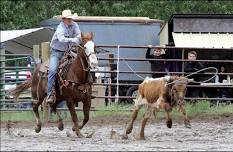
[[160, 93]]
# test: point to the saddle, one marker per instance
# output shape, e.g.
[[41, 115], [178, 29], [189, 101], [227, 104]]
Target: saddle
[[63, 69], [66, 59]]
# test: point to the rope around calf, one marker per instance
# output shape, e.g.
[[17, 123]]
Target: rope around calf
[[204, 69], [216, 71]]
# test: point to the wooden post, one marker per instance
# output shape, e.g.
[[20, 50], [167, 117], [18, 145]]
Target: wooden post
[[45, 51], [45, 56], [36, 53], [183, 62]]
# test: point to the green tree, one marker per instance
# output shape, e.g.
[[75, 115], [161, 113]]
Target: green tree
[[22, 14]]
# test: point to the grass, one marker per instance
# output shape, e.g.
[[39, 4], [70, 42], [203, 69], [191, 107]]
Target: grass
[[202, 107]]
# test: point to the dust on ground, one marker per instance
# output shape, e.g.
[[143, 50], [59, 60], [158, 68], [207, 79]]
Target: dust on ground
[[210, 133]]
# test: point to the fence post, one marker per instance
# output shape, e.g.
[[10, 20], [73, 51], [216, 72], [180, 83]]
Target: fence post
[[45, 56], [2, 70], [118, 69], [111, 66]]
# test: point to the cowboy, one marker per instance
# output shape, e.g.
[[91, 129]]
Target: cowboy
[[67, 33]]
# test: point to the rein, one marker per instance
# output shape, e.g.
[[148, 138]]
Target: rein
[[86, 57]]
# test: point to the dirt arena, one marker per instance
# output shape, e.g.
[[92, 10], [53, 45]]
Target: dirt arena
[[210, 133]]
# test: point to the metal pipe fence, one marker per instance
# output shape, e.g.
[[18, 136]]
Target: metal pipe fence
[[118, 58], [118, 84], [148, 72], [168, 60], [11, 76], [167, 47]]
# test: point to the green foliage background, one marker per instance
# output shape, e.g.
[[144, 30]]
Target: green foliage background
[[20, 14]]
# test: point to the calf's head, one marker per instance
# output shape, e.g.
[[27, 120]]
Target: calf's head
[[178, 89]]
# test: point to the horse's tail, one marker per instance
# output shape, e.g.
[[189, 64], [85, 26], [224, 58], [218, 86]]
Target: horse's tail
[[20, 88]]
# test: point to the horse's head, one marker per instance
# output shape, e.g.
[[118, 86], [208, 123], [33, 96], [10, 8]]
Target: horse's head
[[178, 89], [87, 41]]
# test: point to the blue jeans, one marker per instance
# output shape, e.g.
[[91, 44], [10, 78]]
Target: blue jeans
[[54, 59]]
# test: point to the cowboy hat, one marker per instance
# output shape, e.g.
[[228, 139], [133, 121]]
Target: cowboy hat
[[67, 14]]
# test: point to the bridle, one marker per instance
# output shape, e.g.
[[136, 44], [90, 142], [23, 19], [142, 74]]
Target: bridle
[[86, 57]]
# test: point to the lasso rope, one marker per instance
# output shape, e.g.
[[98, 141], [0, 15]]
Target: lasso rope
[[133, 70], [216, 71], [214, 74]]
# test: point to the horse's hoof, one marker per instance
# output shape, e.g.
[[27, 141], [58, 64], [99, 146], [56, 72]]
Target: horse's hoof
[[80, 135], [73, 129], [125, 137], [169, 123], [140, 137], [80, 127], [187, 124], [37, 129], [129, 129], [60, 126], [89, 135]]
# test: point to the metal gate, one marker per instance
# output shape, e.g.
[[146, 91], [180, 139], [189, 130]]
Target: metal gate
[[15, 69]]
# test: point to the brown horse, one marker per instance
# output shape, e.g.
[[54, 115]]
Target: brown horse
[[77, 88]]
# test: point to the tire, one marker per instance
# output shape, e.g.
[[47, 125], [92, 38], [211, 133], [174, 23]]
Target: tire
[[132, 92]]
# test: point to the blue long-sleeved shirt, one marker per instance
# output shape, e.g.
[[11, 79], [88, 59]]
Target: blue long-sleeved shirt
[[65, 36]]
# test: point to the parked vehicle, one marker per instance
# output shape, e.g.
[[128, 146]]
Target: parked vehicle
[[11, 79]]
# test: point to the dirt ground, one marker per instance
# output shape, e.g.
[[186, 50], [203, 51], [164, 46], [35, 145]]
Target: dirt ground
[[210, 133]]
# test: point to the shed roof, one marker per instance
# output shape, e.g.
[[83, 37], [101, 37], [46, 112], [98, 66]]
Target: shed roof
[[114, 19], [22, 41], [203, 40], [200, 15]]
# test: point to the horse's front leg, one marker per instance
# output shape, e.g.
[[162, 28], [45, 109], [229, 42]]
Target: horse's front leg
[[86, 112], [71, 107], [185, 117], [60, 124], [35, 105]]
